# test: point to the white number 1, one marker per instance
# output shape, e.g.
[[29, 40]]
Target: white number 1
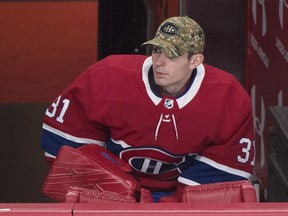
[[55, 105]]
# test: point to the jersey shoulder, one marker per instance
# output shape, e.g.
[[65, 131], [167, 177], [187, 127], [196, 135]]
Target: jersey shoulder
[[218, 75], [112, 72], [223, 80]]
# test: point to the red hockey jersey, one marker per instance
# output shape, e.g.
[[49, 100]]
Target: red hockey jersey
[[203, 136]]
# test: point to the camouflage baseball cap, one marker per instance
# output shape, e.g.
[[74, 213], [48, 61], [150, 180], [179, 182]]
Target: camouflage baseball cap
[[178, 35]]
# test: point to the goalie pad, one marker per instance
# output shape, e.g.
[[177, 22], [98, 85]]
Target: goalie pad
[[223, 192], [84, 195], [91, 167]]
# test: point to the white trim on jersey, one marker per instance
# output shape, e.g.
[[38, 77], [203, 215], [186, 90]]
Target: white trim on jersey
[[121, 142], [46, 154], [184, 99], [187, 181], [72, 138], [145, 71], [223, 167]]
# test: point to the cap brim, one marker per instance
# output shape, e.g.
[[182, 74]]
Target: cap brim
[[166, 47]]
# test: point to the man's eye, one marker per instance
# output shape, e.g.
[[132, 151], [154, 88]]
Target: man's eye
[[156, 50]]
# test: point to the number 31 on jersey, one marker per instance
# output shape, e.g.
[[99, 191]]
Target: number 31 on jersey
[[57, 105]]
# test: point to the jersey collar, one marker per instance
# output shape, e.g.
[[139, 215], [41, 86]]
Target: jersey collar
[[188, 94]]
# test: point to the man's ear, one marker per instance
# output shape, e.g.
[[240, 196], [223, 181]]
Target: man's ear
[[196, 60]]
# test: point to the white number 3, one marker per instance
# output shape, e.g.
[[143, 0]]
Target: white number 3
[[245, 150], [52, 113]]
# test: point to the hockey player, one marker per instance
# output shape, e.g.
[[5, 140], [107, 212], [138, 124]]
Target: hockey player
[[172, 118]]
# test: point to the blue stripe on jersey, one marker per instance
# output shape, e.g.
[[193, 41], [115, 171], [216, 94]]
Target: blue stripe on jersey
[[203, 173], [113, 147], [51, 142]]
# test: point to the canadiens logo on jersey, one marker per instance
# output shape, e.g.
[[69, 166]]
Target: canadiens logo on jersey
[[147, 161]]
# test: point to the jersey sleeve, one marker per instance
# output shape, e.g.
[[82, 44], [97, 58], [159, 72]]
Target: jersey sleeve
[[68, 120], [231, 156]]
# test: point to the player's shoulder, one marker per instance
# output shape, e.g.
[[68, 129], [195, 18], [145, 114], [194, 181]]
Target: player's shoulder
[[215, 75], [218, 73], [225, 82]]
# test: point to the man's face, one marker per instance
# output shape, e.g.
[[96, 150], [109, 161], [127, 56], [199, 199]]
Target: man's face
[[171, 73]]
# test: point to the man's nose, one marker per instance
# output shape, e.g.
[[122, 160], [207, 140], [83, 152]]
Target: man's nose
[[160, 59]]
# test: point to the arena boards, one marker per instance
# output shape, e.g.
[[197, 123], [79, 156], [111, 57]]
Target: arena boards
[[104, 209]]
